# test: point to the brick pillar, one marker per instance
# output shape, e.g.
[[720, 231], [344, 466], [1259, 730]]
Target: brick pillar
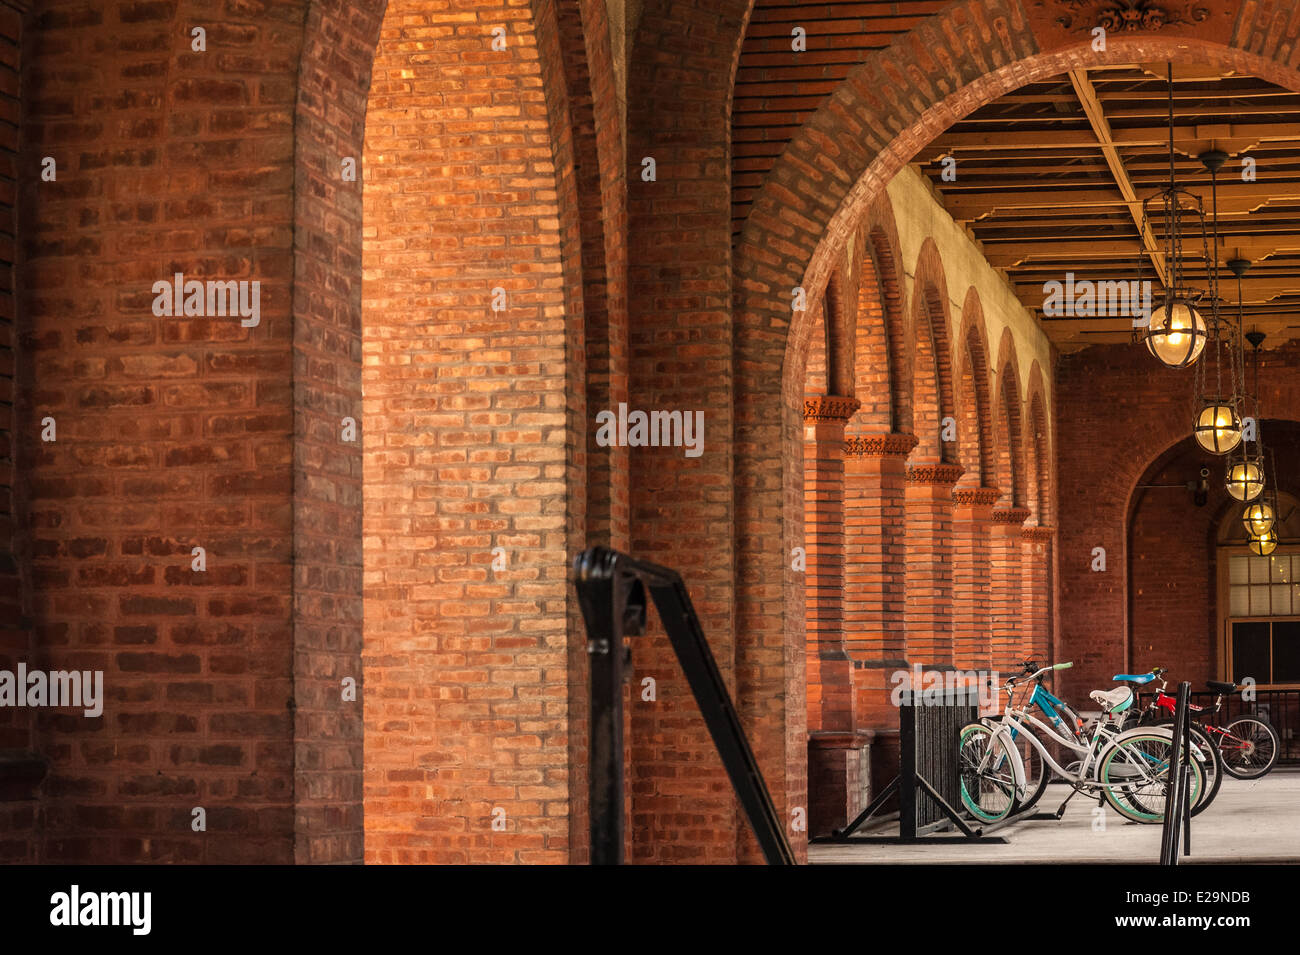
[[1004, 551], [875, 569], [830, 682], [836, 752], [843, 762], [972, 518], [1036, 592], [928, 613]]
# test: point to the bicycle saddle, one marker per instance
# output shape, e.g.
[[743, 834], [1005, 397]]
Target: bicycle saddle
[[1133, 677], [1218, 687], [1114, 701]]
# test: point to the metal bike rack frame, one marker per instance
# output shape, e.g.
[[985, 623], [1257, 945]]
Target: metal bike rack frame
[[928, 767]]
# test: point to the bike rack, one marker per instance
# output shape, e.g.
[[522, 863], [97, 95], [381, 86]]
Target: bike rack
[[1178, 809], [927, 766], [612, 594]]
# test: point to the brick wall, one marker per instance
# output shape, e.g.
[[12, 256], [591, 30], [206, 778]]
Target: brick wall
[[172, 432], [680, 346], [333, 83], [18, 808], [468, 444], [1163, 615]]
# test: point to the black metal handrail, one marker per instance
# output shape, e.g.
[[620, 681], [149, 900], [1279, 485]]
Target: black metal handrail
[[612, 594]]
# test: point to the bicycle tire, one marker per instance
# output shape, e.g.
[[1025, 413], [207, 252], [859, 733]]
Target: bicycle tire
[[1131, 802], [997, 781], [1213, 766], [1233, 764]]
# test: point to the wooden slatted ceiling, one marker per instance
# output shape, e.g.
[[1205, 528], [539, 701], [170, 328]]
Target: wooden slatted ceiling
[[1036, 190], [777, 88]]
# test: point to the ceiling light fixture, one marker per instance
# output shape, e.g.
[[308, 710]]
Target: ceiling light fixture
[[1177, 332], [1218, 421]]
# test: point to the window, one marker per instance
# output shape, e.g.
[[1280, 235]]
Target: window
[[1259, 603]]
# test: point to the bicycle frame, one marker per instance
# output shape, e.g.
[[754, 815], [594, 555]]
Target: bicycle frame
[[1224, 739], [1048, 703], [1012, 722]]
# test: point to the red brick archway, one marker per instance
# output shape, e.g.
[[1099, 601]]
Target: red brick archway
[[837, 166]]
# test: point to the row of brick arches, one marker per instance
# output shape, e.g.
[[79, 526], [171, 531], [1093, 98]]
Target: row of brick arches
[[503, 268]]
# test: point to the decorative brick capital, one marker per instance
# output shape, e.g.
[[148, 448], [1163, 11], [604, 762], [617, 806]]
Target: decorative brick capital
[[940, 474], [1011, 515], [976, 496], [1127, 15], [1036, 532], [829, 408], [891, 445]]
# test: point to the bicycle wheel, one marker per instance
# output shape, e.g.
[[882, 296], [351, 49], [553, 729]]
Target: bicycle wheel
[[1250, 749], [988, 785], [1141, 764], [1212, 765]]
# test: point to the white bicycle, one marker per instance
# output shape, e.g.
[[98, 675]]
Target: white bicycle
[[1129, 768]]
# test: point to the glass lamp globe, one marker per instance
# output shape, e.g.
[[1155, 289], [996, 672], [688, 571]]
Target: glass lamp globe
[[1176, 334], [1218, 427], [1245, 480], [1263, 545], [1259, 518]]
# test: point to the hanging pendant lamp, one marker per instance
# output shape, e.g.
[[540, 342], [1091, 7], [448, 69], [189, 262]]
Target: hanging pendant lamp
[[1245, 478], [1263, 545], [1218, 422], [1259, 518], [1177, 333]]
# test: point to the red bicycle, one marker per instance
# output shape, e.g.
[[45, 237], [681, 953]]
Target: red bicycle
[[1248, 745]]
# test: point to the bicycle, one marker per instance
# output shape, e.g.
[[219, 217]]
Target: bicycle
[[1212, 761], [1129, 768], [1247, 747]]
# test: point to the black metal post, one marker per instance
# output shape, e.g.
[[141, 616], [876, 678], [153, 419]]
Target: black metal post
[[600, 606], [1187, 776], [907, 769], [1176, 807]]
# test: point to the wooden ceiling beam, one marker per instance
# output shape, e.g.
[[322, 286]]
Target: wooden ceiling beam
[[1138, 136], [1234, 199]]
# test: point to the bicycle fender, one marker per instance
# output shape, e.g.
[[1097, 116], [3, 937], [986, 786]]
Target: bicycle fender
[[1017, 764]]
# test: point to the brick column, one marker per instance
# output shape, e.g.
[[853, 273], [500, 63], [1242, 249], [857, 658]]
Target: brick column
[[972, 518], [1004, 551], [867, 608], [830, 680], [875, 569], [1036, 592], [928, 611]]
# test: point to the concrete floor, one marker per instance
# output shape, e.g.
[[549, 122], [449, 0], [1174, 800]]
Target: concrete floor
[[1257, 821]]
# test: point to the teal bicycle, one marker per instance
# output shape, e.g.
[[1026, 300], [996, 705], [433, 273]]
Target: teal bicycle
[[1129, 769]]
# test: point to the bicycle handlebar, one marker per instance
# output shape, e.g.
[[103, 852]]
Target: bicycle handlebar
[[1013, 682]]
